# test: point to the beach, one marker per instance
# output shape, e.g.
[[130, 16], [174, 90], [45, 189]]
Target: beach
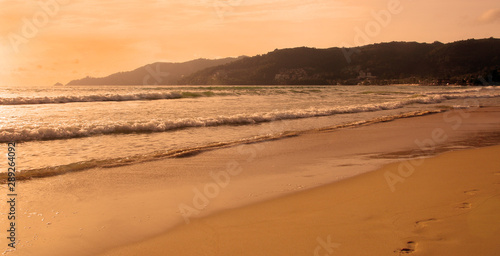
[[285, 196], [249, 128], [449, 206]]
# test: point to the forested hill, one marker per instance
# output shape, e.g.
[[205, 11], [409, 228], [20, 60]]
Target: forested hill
[[462, 62], [159, 73]]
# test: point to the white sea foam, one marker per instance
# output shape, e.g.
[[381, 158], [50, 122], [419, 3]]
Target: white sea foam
[[457, 91], [65, 131], [93, 98]]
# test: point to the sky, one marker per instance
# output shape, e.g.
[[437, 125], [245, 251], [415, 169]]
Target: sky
[[47, 41]]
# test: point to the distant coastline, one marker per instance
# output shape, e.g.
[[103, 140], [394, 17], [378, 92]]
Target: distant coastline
[[469, 62]]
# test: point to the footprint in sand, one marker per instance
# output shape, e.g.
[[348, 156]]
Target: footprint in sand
[[471, 192], [424, 223], [465, 205], [410, 248]]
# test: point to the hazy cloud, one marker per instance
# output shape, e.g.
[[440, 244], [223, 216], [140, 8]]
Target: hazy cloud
[[291, 10], [490, 16], [99, 37]]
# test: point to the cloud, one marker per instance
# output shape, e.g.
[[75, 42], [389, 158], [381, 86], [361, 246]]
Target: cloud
[[291, 10], [490, 16]]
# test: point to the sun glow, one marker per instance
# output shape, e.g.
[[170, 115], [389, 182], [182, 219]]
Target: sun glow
[[49, 41]]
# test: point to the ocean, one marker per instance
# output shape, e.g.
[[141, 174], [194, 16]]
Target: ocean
[[60, 129]]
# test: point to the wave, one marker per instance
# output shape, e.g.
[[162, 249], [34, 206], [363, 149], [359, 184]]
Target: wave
[[156, 96], [187, 152], [88, 130], [458, 91], [103, 97]]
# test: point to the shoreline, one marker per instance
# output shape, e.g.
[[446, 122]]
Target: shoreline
[[459, 217], [81, 145], [187, 152], [86, 213]]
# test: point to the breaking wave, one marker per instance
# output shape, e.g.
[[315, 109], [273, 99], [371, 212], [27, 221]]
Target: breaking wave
[[62, 131], [185, 152], [103, 97]]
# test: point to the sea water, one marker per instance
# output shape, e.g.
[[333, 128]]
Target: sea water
[[82, 127]]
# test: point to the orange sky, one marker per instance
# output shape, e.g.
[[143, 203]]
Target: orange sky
[[47, 41]]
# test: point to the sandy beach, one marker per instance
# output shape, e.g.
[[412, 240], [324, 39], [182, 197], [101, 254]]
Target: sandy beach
[[319, 193], [282, 128], [448, 206]]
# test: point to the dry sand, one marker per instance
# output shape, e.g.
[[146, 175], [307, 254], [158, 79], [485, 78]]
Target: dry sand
[[275, 201], [449, 205]]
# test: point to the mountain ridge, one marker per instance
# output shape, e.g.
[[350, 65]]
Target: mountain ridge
[[157, 73], [465, 62]]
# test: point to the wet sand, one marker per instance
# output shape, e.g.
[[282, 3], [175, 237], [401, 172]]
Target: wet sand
[[448, 205]]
